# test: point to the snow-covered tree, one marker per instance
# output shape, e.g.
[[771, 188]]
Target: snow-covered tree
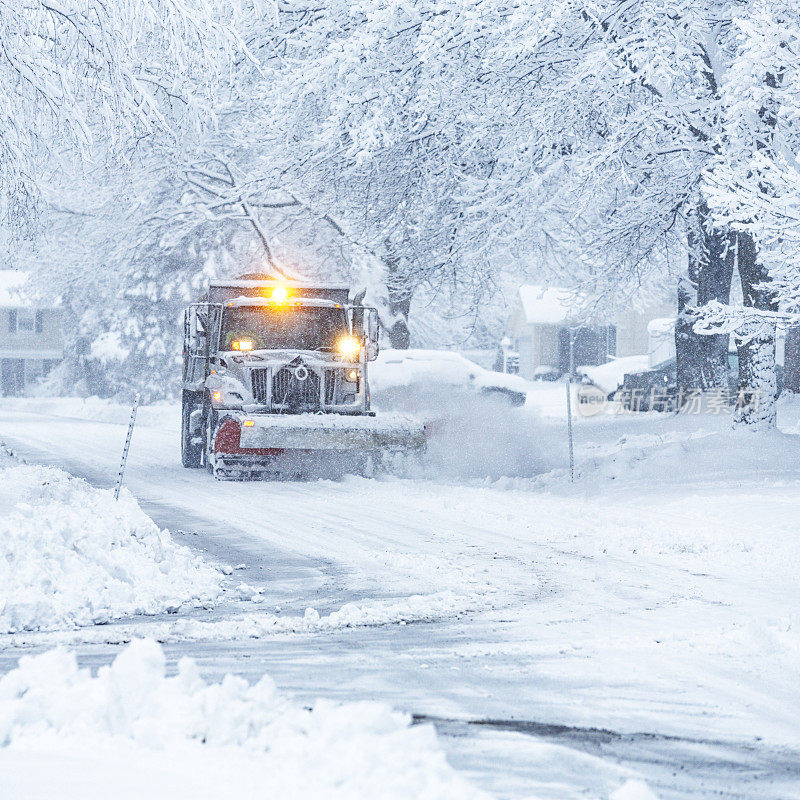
[[754, 180], [95, 98], [419, 148], [625, 117], [358, 134], [75, 72]]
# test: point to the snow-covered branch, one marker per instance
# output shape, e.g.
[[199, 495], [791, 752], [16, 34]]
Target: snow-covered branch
[[743, 321]]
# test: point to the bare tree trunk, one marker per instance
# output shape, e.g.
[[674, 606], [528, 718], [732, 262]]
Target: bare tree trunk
[[758, 392], [791, 360], [702, 361], [399, 296], [687, 342], [715, 284]]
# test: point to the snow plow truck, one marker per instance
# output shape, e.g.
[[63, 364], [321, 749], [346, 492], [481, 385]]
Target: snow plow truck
[[275, 383]]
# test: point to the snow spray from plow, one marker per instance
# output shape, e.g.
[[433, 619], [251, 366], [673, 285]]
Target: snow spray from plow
[[471, 436]]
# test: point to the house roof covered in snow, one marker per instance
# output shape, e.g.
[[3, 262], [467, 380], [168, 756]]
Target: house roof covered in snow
[[11, 284], [549, 306], [13, 293]]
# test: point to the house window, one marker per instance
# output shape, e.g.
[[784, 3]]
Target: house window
[[34, 369], [26, 320]]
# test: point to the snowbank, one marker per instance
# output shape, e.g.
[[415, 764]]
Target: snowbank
[[700, 454], [71, 555], [163, 415], [135, 733], [399, 611], [633, 790]]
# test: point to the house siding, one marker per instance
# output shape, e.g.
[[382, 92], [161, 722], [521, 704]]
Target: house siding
[[30, 344], [632, 337], [538, 344], [27, 355]]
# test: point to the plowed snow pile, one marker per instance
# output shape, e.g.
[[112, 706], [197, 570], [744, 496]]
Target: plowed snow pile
[[70, 555], [131, 732]]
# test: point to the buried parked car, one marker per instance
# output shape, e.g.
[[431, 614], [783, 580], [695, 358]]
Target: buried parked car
[[657, 389], [630, 383], [600, 384], [438, 368]]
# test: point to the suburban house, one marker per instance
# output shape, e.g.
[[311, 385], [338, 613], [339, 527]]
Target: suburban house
[[30, 336], [550, 334]]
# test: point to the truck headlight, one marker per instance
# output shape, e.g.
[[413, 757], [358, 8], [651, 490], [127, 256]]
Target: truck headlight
[[349, 347], [352, 376], [225, 398]]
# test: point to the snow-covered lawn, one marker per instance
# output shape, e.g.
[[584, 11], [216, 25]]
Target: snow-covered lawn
[[71, 555], [158, 415]]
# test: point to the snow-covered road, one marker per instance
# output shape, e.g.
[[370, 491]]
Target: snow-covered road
[[640, 621]]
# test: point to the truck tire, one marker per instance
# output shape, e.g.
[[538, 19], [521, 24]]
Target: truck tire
[[191, 452]]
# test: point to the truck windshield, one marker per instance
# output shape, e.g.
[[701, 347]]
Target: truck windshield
[[283, 327]]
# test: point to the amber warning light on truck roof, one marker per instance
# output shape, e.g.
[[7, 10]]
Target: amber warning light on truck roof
[[242, 344], [280, 294]]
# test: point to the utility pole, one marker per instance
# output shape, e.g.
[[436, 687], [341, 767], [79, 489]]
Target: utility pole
[[571, 351]]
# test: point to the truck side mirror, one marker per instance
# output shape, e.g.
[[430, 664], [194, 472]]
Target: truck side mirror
[[190, 333], [372, 331], [186, 336], [194, 332]]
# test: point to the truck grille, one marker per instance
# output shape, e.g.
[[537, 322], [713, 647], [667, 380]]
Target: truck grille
[[288, 390], [260, 383], [330, 386]]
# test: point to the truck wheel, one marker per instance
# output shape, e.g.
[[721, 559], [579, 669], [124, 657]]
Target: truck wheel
[[191, 451]]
